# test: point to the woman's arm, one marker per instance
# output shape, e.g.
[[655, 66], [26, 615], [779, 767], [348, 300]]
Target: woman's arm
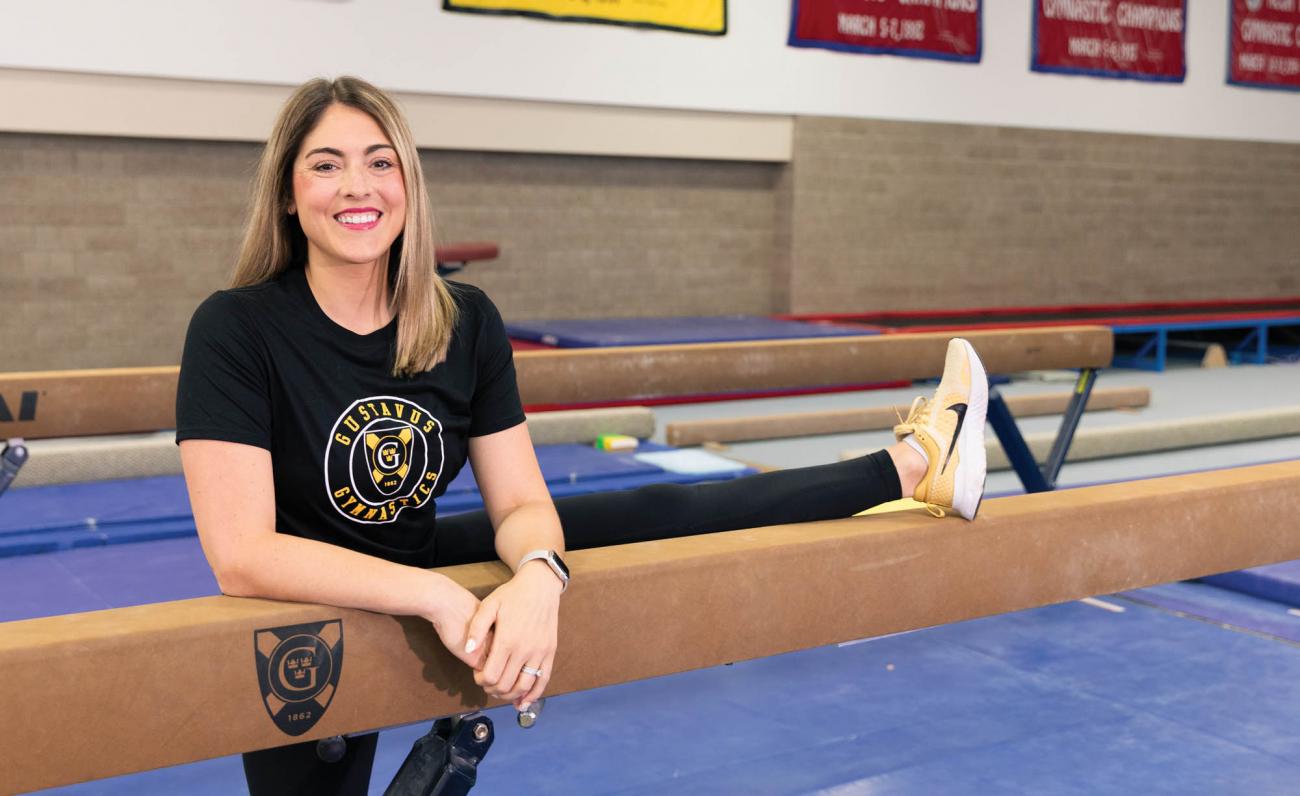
[[232, 495], [523, 614]]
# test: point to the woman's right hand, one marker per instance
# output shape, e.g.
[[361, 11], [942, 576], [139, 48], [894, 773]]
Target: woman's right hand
[[451, 608]]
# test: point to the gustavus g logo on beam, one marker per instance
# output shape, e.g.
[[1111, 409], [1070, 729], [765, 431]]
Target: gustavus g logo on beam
[[298, 669]]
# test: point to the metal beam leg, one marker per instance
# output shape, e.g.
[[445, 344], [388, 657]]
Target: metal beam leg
[[12, 458], [1069, 424], [1034, 478], [445, 761], [1013, 442]]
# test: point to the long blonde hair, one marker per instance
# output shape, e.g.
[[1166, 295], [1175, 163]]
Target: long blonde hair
[[274, 240]]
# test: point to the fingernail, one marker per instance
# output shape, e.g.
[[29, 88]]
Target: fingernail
[[470, 646], [524, 707]]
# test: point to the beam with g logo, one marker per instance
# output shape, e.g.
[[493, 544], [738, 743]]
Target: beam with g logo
[[183, 681]]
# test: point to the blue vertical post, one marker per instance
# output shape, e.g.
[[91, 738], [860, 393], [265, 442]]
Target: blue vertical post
[[1013, 442], [1034, 478]]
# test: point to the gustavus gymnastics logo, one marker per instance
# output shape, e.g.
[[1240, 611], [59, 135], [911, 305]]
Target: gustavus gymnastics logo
[[384, 455], [298, 669]]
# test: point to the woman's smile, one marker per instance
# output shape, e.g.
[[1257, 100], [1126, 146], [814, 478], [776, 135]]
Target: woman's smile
[[358, 218]]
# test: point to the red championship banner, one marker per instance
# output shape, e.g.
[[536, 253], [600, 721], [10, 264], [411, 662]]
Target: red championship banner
[[1264, 43], [949, 30], [1143, 40]]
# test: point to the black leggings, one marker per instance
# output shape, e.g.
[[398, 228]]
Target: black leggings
[[660, 511]]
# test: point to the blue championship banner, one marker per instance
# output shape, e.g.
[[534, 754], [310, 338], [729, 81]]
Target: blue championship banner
[[950, 30], [708, 17]]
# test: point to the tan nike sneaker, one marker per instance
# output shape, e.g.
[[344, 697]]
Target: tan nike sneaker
[[950, 429]]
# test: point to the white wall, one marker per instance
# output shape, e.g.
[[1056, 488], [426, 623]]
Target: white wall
[[414, 46]]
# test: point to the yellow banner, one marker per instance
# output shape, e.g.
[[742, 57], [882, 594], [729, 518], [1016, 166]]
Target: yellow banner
[[692, 16]]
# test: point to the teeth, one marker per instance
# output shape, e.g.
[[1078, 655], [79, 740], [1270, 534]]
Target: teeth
[[358, 218]]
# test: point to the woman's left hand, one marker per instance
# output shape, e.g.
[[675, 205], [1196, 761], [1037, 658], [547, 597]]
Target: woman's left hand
[[523, 617]]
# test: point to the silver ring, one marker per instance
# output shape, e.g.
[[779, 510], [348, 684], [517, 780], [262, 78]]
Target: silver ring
[[532, 671]]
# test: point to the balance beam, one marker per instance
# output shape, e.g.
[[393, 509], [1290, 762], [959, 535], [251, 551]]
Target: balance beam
[[1152, 437], [453, 254], [557, 378], [110, 692], [878, 418], [72, 403]]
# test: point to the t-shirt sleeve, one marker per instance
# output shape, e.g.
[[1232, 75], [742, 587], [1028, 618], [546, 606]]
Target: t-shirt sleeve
[[223, 392], [495, 405]]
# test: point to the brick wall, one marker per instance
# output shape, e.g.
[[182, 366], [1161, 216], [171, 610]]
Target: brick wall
[[612, 237], [906, 216], [107, 245]]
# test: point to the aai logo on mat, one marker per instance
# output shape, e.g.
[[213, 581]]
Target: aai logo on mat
[[384, 455], [298, 669]]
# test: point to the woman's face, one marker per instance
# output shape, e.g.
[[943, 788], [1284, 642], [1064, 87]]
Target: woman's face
[[348, 191]]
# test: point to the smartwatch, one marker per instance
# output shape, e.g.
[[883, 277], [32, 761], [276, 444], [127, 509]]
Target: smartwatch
[[553, 561]]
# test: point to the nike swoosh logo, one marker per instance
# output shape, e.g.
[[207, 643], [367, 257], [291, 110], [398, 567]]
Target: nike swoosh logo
[[960, 411]]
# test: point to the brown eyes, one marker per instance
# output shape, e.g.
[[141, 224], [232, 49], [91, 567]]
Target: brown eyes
[[326, 167]]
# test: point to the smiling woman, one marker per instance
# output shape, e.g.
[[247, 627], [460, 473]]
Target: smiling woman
[[341, 153], [327, 399], [314, 436]]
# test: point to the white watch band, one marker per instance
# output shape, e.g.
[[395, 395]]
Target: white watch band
[[551, 561]]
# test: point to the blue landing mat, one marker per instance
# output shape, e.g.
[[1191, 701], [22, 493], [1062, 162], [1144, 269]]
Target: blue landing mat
[[43, 519], [79, 506], [68, 516], [1277, 582], [1068, 699], [114, 576], [1210, 603], [598, 333]]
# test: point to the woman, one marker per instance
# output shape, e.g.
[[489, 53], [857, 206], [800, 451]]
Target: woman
[[329, 396]]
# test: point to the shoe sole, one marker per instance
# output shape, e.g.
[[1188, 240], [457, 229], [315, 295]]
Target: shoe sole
[[972, 467]]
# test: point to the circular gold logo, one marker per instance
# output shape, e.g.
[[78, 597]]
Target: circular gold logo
[[384, 455]]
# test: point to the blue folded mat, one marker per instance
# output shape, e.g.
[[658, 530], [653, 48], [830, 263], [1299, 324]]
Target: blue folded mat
[[1220, 606], [1277, 582]]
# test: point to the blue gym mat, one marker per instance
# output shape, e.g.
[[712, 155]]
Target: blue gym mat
[[1222, 606], [95, 578], [598, 333], [1277, 582], [66, 516]]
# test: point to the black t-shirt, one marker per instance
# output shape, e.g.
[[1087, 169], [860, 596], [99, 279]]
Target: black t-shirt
[[359, 456]]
